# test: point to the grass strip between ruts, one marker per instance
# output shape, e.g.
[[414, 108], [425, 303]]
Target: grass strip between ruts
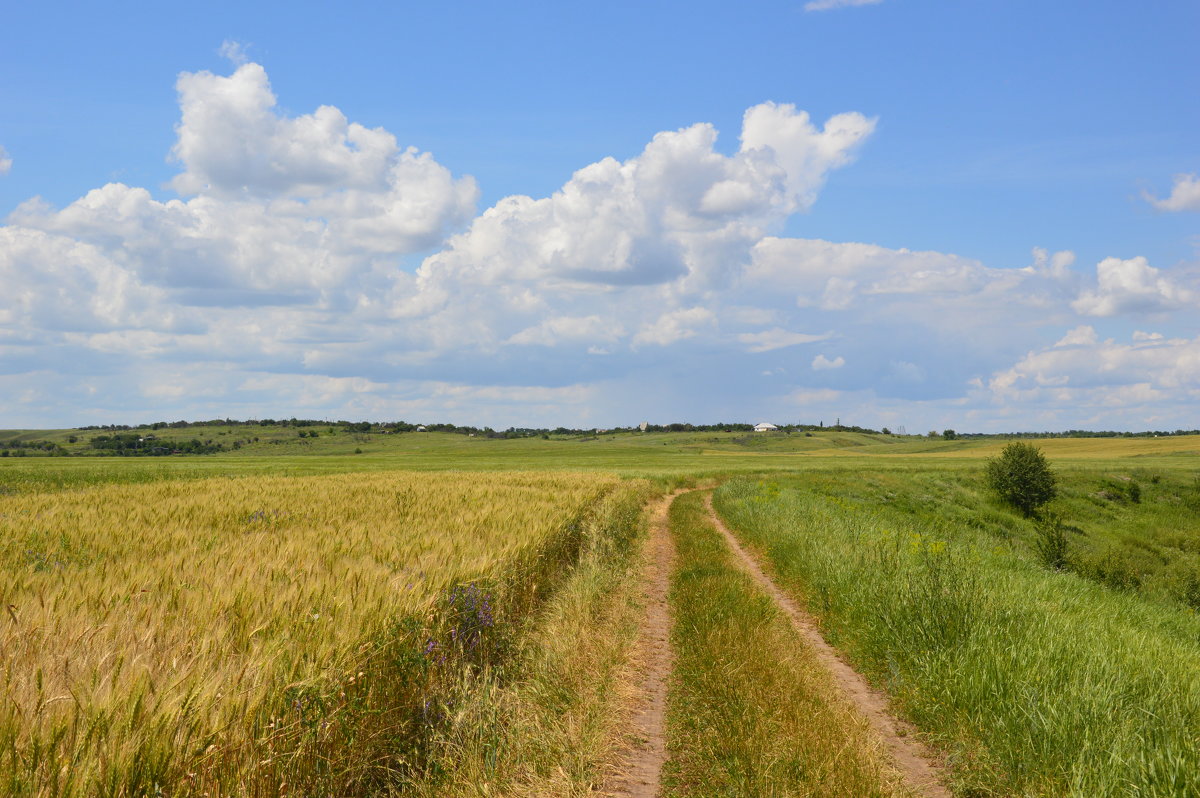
[[751, 711]]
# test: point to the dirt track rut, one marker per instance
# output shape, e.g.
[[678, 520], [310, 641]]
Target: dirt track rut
[[640, 775], [916, 763]]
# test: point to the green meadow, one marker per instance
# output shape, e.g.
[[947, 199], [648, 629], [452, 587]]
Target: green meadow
[[1029, 675]]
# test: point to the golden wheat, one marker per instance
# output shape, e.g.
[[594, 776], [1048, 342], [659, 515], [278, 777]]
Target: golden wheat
[[169, 620]]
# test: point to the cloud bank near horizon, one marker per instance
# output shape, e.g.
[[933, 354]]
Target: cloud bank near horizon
[[279, 282]]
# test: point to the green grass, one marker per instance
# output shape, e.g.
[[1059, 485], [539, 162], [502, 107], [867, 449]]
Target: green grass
[[1127, 526], [657, 455], [1081, 682], [752, 712], [1034, 682]]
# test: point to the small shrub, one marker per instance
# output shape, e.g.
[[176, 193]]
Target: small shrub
[[1113, 569], [1121, 490], [1021, 477], [1186, 588], [1051, 542]]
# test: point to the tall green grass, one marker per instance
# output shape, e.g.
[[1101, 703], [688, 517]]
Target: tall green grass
[[1034, 682], [1125, 525], [752, 712]]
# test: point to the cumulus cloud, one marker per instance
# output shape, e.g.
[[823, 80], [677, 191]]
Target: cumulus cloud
[[1083, 335], [233, 142], [1132, 286], [285, 209], [654, 282], [822, 363], [57, 283], [1185, 195], [678, 210], [5, 162], [675, 326], [1108, 373], [827, 5]]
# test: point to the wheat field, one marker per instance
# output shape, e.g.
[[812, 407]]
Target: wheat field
[[227, 636]]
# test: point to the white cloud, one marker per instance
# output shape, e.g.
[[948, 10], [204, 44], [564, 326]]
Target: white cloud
[[1083, 335], [1056, 266], [286, 209], [234, 51], [1104, 372], [57, 283], [278, 277], [822, 363], [677, 210], [826, 5], [777, 338], [831, 274], [564, 329], [5, 162], [233, 142], [1185, 195], [1132, 286], [675, 326], [839, 293]]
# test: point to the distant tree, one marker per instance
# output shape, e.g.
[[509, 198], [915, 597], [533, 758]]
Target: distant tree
[[1021, 477], [949, 434]]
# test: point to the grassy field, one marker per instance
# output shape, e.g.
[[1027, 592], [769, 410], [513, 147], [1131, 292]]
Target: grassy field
[[1033, 681], [191, 624], [667, 455]]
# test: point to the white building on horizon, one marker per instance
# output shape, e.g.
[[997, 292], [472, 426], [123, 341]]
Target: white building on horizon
[[765, 427]]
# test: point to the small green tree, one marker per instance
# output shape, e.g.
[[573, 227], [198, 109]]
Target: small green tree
[[1022, 477]]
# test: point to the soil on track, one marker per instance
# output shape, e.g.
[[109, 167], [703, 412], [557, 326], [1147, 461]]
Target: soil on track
[[915, 762], [641, 769]]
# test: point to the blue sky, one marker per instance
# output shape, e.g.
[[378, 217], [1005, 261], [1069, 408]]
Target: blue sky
[[987, 220]]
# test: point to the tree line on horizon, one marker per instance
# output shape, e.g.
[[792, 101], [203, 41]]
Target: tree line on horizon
[[131, 440]]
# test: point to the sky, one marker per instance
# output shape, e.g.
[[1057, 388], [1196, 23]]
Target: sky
[[919, 214]]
